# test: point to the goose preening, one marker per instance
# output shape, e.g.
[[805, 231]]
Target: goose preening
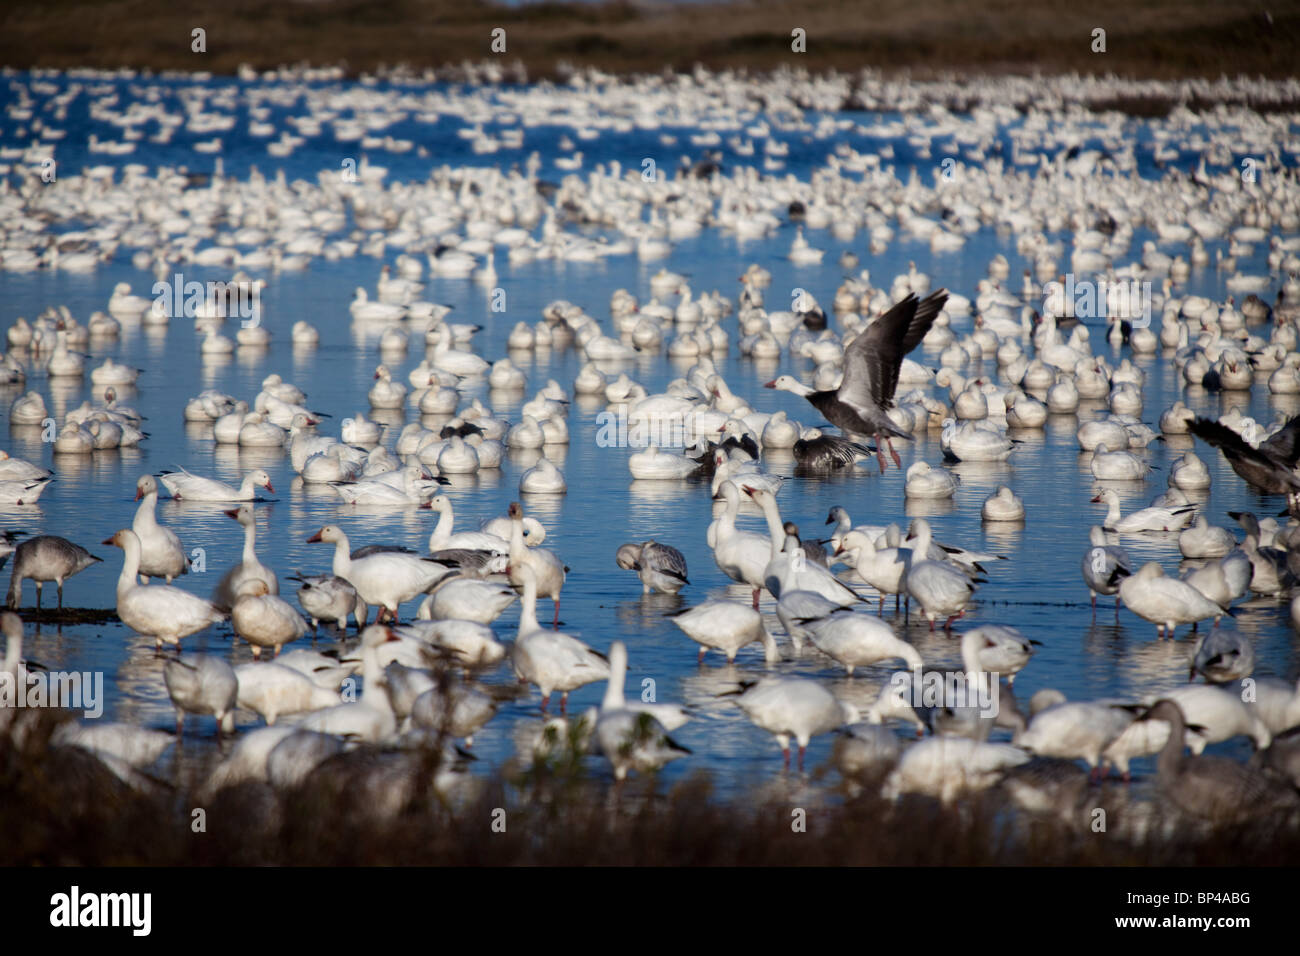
[[1215, 788], [858, 640], [793, 707], [998, 649], [861, 403], [202, 684], [661, 567], [271, 689], [467, 599], [551, 659], [384, 580], [1222, 656], [45, 558], [160, 611], [633, 737]]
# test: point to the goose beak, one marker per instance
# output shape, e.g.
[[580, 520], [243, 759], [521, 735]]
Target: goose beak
[[233, 513], [749, 491], [314, 538], [1096, 498], [112, 540], [771, 384], [139, 493], [269, 488]]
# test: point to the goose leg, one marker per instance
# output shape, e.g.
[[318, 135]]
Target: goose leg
[[546, 700], [880, 453], [898, 462], [802, 748], [564, 703], [700, 660], [38, 596], [60, 595], [555, 619], [756, 590], [785, 753]]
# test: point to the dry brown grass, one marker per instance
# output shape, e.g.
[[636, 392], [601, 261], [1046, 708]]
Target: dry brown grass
[[1164, 38]]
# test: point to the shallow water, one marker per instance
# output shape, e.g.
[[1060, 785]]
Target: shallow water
[[1039, 588]]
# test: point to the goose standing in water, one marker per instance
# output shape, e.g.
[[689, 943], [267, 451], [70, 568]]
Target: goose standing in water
[[1104, 567], [793, 707], [551, 659], [161, 553], [725, 626], [248, 568], [547, 570], [202, 684], [631, 738], [661, 567], [383, 579], [872, 361], [1163, 601], [328, 597], [940, 589], [46, 558], [263, 619], [1214, 788], [160, 611], [371, 718], [788, 568]]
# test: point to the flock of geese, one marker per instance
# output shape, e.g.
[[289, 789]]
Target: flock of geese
[[420, 670]]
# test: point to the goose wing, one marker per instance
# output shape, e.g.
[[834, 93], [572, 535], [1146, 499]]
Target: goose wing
[[872, 360]]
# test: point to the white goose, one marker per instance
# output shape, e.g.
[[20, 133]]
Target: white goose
[[161, 553], [788, 569], [551, 659], [202, 684], [271, 689], [547, 570], [1165, 602], [263, 619], [249, 567], [941, 589], [1147, 519], [183, 485], [793, 707], [384, 579], [858, 640], [741, 555], [371, 718], [948, 767], [633, 737], [725, 626], [161, 611]]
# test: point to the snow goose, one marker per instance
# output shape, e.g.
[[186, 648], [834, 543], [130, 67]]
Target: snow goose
[[1003, 505], [859, 640], [467, 599], [135, 746], [1073, 730], [183, 485], [1189, 473], [471, 644], [161, 553], [551, 659], [974, 441], [661, 567], [884, 569], [371, 718], [444, 536], [46, 558], [923, 481], [271, 689], [162, 612], [793, 707], [249, 567], [1214, 788], [655, 464], [997, 649], [386, 393], [949, 767], [1270, 467], [941, 589], [456, 711], [1146, 519], [1104, 567], [634, 736], [544, 477], [815, 452], [725, 626], [1164, 601], [383, 579], [1117, 465], [788, 567], [263, 619], [1222, 656], [1202, 540], [548, 571], [863, 399], [202, 684]]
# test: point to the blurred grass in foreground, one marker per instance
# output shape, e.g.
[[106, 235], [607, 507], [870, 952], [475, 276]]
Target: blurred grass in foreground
[[1161, 39]]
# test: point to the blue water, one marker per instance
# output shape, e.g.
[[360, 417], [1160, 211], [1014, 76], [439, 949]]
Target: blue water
[[1038, 588]]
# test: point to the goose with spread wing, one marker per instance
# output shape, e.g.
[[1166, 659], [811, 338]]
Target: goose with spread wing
[[872, 360], [1271, 467]]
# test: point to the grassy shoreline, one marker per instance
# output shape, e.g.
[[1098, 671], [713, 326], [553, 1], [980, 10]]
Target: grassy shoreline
[[1167, 39]]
